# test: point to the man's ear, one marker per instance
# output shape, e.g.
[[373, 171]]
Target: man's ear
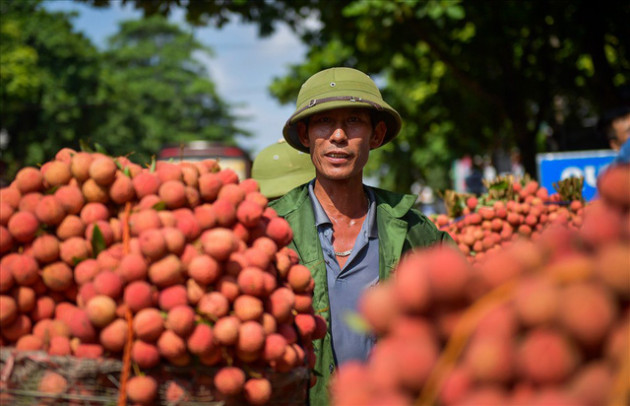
[[378, 135], [302, 133]]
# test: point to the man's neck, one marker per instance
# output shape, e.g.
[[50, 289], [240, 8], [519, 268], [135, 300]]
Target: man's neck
[[342, 198]]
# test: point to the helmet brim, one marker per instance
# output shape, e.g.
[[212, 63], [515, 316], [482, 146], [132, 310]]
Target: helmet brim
[[390, 116]]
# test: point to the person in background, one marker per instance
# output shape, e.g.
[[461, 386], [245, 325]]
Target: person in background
[[474, 180], [279, 168], [615, 126], [489, 171], [517, 168], [348, 234]]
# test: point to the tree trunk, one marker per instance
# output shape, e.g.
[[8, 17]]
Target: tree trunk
[[526, 142]]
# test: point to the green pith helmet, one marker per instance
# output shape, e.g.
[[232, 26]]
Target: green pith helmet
[[279, 168], [336, 88]]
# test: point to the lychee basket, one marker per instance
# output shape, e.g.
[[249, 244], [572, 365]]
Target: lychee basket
[[97, 381]]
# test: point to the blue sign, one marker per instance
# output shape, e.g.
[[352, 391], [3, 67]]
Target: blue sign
[[556, 166]]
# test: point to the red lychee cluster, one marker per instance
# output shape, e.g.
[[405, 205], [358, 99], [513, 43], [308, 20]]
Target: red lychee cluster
[[196, 257], [488, 224], [539, 322]]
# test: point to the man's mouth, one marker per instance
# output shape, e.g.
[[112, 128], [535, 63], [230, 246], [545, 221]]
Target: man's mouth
[[336, 155]]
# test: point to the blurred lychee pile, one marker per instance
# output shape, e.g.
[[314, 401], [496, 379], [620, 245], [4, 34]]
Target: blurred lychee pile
[[511, 209], [191, 253], [535, 322]]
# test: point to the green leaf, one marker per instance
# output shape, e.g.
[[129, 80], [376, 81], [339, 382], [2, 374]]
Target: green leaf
[[100, 148], [206, 321], [159, 206], [98, 241], [153, 164], [503, 185], [77, 260], [85, 147], [435, 11], [52, 190], [356, 322], [455, 12]]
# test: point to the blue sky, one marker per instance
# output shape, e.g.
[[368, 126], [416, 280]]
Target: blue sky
[[242, 67]]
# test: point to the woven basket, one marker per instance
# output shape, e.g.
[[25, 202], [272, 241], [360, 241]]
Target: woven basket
[[96, 382]]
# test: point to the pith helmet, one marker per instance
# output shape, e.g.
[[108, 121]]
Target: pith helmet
[[279, 168], [336, 88]]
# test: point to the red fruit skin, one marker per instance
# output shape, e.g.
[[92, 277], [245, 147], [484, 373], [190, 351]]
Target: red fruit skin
[[148, 324], [299, 278], [377, 306], [142, 389], [219, 243], [279, 230], [145, 184], [546, 356], [52, 383], [146, 355], [456, 384], [471, 203], [614, 185], [411, 284], [491, 359], [6, 240], [448, 273], [229, 380], [257, 391], [23, 225], [172, 296], [200, 341], [29, 179], [251, 281], [209, 186], [588, 312], [248, 307]]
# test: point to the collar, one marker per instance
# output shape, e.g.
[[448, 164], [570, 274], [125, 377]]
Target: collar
[[321, 218], [393, 205]]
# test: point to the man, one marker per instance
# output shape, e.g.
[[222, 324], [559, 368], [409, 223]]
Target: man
[[349, 235], [615, 125], [279, 168]]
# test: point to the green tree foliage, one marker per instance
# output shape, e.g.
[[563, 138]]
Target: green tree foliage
[[49, 83], [146, 89], [468, 77], [158, 92]]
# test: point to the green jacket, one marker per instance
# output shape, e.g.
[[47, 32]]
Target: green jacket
[[400, 228]]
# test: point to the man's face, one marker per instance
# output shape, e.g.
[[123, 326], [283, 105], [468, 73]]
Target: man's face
[[340, 141], [621, 128]]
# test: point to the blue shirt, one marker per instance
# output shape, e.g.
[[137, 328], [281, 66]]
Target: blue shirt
[[624, 154], [346, 285]]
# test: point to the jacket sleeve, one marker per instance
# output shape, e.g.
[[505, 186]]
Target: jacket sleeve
[[423, 232]]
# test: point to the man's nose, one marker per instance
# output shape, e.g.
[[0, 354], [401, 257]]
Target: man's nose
[[338, 134]]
